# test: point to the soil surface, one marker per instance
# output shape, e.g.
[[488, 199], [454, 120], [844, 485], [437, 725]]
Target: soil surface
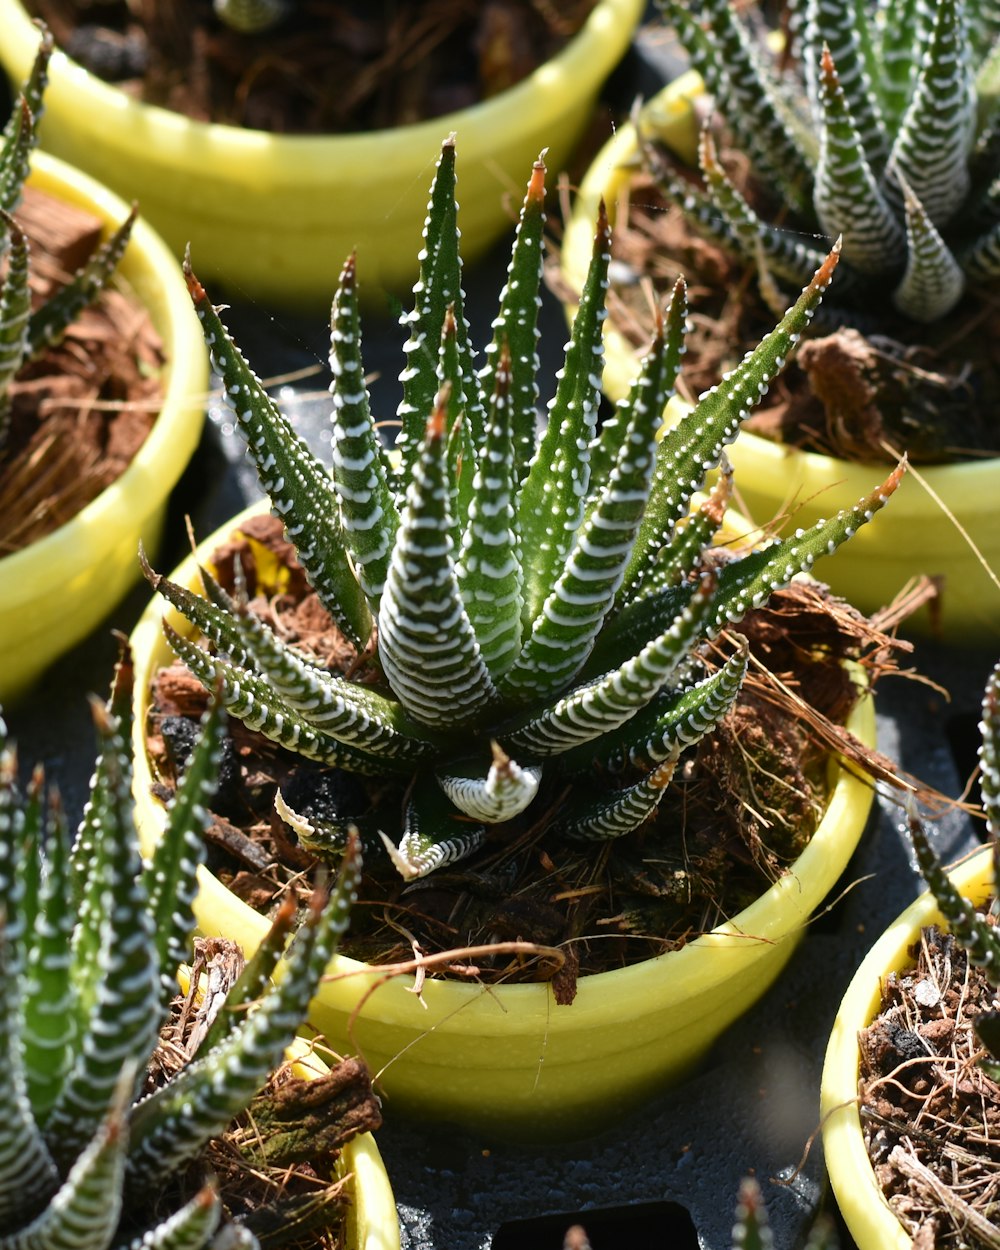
[[930, 1114], [701, 860], [82, 410], [326, 67]]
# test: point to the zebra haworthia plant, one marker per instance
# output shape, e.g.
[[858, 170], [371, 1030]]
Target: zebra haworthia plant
[[539, 602], [980, 939], [897, 148], [91, 938], [25, 333]]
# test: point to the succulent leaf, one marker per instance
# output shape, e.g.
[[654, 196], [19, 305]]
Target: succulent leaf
[[594, 710], [787, 256], [575, 611], [935, 137], [849, 200], [752, 1230], [842, 29], [171, 874], [190, 1228], [515, 330], [981, 941], [438, 289], [989, 753], [48, 323], [675, 720], [15, 313], [361, 473], [119, 1016], [301, 491], [933, 281], [621, 812], [169, 1126], [435, 833], [692, 447], [250, 698], [489, 568], [85, 1209], [49, 1026], [426, 641], [552, 498]]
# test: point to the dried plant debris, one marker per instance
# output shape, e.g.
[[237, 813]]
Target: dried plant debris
[[931, 1115], [83, 409], [853, 391], [276, 1164], [696, 864], [326, 67]]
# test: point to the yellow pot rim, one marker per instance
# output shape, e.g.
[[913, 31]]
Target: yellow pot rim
[[175, 432], [869, 1217], [144, 124], [616, 994], [671, 112]]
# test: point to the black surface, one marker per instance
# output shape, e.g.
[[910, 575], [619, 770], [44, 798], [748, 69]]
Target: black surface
[[667, 1177]]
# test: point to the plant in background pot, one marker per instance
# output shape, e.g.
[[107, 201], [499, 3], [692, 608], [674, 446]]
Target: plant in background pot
[[521, 615], [256, 206], [888, 138], [96, 1151], [77, 493], [910, 1090]]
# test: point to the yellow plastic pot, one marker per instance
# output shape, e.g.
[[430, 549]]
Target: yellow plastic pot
[[55, 591], [275, 216], [914, 536], [869, 1217], [507, 1059]]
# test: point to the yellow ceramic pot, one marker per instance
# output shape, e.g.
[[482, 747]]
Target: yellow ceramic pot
[[869, 1217], [55, 591], [915, 536], [507, 1059], [275, 216]]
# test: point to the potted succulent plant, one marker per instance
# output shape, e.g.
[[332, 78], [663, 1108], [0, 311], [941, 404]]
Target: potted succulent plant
[[508, 646], [955, 901], [55, 589], [92, 1148], [889, 107], [276, 214]]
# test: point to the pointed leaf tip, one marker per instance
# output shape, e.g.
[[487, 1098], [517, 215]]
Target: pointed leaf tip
[[889, 487], [195, 289], [438, 420], [536, 184], [824, 274]]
